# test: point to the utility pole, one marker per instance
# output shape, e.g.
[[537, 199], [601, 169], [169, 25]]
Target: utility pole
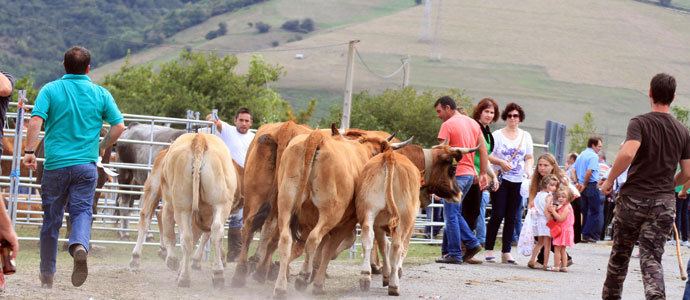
[[347, 99], [406, 71]]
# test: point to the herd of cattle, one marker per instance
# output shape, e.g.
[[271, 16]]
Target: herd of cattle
[[305, 189]]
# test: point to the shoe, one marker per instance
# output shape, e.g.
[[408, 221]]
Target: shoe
[[671, 242], [534, 265], [593, 241], [490, 259], [46, 281], [449, 260], [564, 270], [570, 262], [504, 260], [552, 269], [474, 261], [686, 244], [80, 270], [471, 252]]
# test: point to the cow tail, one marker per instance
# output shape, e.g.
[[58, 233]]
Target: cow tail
[[199, 146], [310, 146], [390, 202]]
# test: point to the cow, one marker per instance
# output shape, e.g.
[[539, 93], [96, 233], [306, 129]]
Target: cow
[[205, 199], [316, 182], [149, 202], [387, 200], [139, 154]]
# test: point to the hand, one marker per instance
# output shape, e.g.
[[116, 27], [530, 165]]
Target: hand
[[505, 166], [606, 187], [483, 181], [101, 152], [580, 187], [683, 194], [10, 236], [495, 184], [527, 175], [30, 161]]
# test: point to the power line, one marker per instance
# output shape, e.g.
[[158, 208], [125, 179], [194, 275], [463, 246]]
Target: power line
[[377, 74]]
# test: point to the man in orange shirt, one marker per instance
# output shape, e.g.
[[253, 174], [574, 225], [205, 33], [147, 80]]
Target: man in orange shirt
[[460, 131]]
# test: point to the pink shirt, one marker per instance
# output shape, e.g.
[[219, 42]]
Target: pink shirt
[[462, 131]]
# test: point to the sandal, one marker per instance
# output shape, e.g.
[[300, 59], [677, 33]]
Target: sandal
[[564, 269], [552, 269], [534, 265], [490, 259]]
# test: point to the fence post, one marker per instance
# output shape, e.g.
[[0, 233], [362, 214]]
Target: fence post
[[406, 71], [16, 157], [347, 101]]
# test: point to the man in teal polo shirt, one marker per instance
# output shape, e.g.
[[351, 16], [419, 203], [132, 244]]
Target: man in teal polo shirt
[[587, 171], [73, 109]]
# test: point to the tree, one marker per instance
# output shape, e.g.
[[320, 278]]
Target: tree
[[291, 25], [405, 111], [307, 25], [682, 114], [666, 3], [580, 134], [262, 27], [302, 116], [200, 82]]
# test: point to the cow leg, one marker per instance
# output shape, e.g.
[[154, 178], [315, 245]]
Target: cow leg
[[330, 245], [199, 252], [345, 244], [269, 232], [239, 279], [167, 226], [384, 246], [145, 216], [367, 246], [217, 230], [264, 265], [395, 255], [184, 222], [375, 264], [123, 200], [323, 226], [285, 245]]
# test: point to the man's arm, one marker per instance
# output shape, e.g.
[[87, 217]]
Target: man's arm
[[111, 137], [6, 231], [623, 160], [483, 162], [5, 86], [31, 136], [684, 174], [219, 123]]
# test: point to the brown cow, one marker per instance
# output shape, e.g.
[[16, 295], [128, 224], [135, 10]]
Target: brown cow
[[316, 182], [387, 200], [204, 200]]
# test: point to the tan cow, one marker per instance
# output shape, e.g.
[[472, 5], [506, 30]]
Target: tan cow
[[204, 199], [316, 182]]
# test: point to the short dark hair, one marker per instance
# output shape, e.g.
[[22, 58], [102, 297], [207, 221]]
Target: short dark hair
[[77, 60], [663, 88], [573, 155], [593, 141], [243, 110], [484, 104], [511, 107], [446, 100]]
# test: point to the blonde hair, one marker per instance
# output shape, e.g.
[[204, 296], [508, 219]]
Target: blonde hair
[[565, 190], [548, 179], [534, 186]]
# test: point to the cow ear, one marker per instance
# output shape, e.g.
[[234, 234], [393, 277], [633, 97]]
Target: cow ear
[[334, 130]]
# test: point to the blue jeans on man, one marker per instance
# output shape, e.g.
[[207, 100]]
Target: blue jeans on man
[[592, 211], [235, 221], [456, 229], [481, 221], [73, 186]]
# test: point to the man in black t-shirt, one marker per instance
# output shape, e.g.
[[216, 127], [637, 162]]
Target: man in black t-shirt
[[645, 207]]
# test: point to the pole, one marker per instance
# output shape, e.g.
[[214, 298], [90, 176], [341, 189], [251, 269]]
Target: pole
[[16, 157], [406, 71], [347, 99]]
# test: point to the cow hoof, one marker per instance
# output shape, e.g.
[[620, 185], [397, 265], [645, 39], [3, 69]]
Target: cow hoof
[[364, 284], [149, 237], [273, 272], [124, 235], [385, 281], [196, 264], [184, 283], [172, 263], [218, 280], [318, 289], [376, 270], [279, 293], [134, 264], [301, 283], [393, 291], [162, 253], [259, 276], [240, 277]]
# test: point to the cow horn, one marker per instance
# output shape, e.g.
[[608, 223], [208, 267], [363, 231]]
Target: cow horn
[[464, 150], [390, 138], [401, 144], [334, 130], [445, 142]]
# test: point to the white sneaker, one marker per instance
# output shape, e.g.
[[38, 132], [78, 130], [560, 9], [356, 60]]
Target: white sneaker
[[686, 244], [671, 242]]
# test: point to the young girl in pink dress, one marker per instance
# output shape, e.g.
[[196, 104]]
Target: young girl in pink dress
[[563, 215]]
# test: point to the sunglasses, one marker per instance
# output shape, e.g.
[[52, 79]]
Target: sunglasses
[[511, 116]]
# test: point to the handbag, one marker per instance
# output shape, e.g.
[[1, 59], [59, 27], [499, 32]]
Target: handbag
[[526, 239], [554, 229]]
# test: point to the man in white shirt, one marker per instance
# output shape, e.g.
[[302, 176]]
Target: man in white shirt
[[237, 138]]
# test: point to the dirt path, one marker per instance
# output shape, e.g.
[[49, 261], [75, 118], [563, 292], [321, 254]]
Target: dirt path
[[155, 281]]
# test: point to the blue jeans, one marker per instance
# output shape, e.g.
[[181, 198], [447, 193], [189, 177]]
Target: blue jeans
[[481, 221], [236, 220], [518, 219], [456, 229], [686, 294], [73, 186], [504, 204], [682, 217], [592, 211]]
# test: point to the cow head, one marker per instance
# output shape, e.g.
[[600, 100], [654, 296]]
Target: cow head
[[378, 145], [439, 171]]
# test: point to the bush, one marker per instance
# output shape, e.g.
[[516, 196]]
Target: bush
[[221, 31], [292, 25], [666, 3], [307, 25], [211, 35], [250, 24], [418, 2], [275, 43], [262, 27]]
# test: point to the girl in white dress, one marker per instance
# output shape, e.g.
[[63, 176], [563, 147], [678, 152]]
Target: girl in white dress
[[540, 215]]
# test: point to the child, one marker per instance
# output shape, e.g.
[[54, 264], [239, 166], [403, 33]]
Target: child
[[563, 215], [540, 214]]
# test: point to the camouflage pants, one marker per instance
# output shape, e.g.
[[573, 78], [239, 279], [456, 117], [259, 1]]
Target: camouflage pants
[[649, 221]]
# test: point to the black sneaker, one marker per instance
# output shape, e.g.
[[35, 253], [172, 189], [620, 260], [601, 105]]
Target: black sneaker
[[471, 252], [46, 281], [80, 271], [449, 260]]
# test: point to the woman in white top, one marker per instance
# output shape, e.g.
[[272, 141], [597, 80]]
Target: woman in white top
[[513, 155]]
